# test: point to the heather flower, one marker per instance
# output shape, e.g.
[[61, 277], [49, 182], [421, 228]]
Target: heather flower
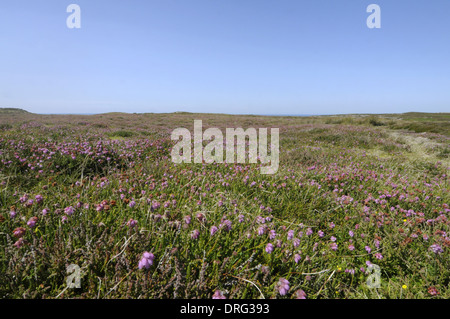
[[309, 232], [269, 248], [19, 243], [39, 198], [290, 234], [283, 286], [218, 295], [351, 247], [241, 218], [131, 223], [24, 198], [155, 205], [19, 232], [201, 217], [377, 243], [351, 233], [213, 230], [195, 233], [350, 271], [300, 294], [334, 246], [436, 249], [378, 256], [132, 204], [433, 291], [272, 234], [333, 239], [187, 219], [297, 258], [69, 210], [12, 214], [146, 261], [320, 233], [32, 222], [368, 249], [226, 224], [64, 219], [296, 242], [261, 230]]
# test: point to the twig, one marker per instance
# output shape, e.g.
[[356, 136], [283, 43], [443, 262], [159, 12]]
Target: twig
[[251, 283]]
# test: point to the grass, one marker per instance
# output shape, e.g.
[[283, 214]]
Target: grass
[[371, 185]]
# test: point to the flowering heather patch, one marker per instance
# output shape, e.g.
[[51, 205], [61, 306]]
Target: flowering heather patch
[[347, 195]]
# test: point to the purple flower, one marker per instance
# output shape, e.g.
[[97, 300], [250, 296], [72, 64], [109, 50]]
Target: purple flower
[[19, 243], [368, 249], [296, 242], [132, 204], [201, 217], [39, 198], [377, 243], [350, 271], [213, 230], [187, 219], [321, 233], [334, 246], [297, 258], [283, 286], [269, 248], [290, 234], [218, 295], [146, 261], [69, 210], [241, 218], [195, 233], [333, 239], [309, 232], [351, 233], [19, 232], [261, 230], [12, 214], [351, 247], [226, 224], [300, 294], [131, 223], [32, 222], [436, 249], [378, 256], [272, 234]]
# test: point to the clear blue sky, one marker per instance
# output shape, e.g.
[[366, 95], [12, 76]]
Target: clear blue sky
[[225, 56]]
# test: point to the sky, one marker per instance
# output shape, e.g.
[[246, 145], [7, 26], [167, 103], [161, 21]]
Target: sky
[[233, 56]]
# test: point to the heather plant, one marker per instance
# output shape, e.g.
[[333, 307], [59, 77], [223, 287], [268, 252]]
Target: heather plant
[[348, 194]]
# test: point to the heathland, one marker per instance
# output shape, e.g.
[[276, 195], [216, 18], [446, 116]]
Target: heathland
[[100, 192]]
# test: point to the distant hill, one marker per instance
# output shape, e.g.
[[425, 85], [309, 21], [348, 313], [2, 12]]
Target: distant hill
[[12, 110]]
